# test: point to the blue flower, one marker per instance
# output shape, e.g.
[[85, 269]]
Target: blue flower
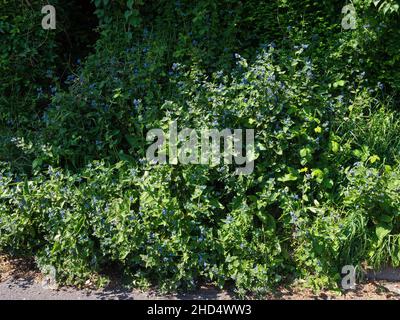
[[175, 66], [245, 81], [293, 217], [70, 78], [39, 92], [136, 102]]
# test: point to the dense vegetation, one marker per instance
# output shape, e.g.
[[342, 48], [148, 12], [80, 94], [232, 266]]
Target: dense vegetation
[[76, 103]]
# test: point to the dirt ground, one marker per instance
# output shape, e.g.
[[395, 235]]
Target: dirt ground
[[20, 280]]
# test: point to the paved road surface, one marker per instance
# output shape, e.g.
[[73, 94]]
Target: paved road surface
[[27, 289]]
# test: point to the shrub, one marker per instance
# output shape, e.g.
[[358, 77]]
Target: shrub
[[81, 197]]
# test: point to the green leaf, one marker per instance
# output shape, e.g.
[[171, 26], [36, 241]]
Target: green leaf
[[132, 140], [374, 158], [382, 230], [334, 146], [339, 83], [288, 177], [267, 220], [385, 218], [125, 157]]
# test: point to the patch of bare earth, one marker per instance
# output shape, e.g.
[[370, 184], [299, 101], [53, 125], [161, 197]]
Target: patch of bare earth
[[17, 268], [371, 290]]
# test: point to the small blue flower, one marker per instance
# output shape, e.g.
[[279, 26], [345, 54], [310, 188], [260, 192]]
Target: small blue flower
[[175, 66], [245, 81], [293, 217], [136, 102], [70, 78], [39, 92]]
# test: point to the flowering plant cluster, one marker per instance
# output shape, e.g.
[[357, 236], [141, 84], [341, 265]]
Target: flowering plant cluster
[[78, 192]]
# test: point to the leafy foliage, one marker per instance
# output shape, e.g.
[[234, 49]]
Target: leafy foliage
[[77, 192]]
